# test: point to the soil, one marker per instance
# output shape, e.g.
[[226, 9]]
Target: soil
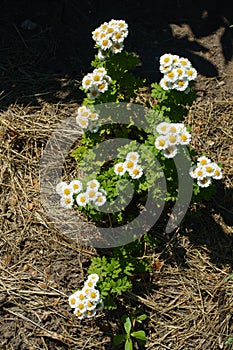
[[46, 49]]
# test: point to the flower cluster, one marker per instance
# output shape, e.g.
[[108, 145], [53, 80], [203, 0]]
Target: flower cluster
[[204, 171], [73, 192], [178, 72], [130, 165], [110, 35], [171, 135], [96, 82], [86, 302], [86, 119]]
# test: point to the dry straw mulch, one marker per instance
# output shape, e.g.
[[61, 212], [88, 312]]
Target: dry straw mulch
[[187, 297]]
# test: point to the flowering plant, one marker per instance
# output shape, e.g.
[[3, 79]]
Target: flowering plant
[[156, 150]]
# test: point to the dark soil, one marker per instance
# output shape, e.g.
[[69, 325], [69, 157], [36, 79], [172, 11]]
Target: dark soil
[[187, 297]]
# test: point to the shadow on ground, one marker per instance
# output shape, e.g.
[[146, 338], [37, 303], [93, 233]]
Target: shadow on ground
[[47, 61]]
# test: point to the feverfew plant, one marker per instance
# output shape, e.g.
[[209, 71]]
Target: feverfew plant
[[112, 80]]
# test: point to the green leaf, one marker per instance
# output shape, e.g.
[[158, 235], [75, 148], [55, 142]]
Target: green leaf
[[229, 341], [229, 277], [141, 318], [128, 344], [139, 335], [119, 338], [127, 324]]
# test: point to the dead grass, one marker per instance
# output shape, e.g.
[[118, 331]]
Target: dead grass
[[188, 299]]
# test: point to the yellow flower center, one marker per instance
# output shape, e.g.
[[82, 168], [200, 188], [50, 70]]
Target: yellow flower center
[[170, 74], [93, 295], [166, 59], [72, 301], [183, 137], [120, 168], [66, 191], [135, 171], [105, 42], [129, 164], [96, 77], [161, 142], [180, 83], [172, 138]]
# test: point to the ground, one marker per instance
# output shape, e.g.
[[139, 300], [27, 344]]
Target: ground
[[187, 297]]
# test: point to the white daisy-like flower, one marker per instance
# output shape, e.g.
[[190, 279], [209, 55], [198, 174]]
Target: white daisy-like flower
[[94, 93], [204, 182], [60, 186], [105, 43], [203, 160], [96, 34], [81, 306], [90, 313], [192, 172], [191, 73], [200, 172], [92, 194], [84, 111], [163, 128], [87, 81], [73, 301], [165, 69], [181, 72], [166, 59], [66, 191], [129, 164], [101, 71], [134, 156], [80, 295], [103, 86], [119, 169], [76, 186], [176, 128], [170, 152], [93, 184], [184, 137], [122, 24], [82, 122], [67, 202], [94, 295], [79, 314], [96, 77], [104, 26], [181, 85], [117, 47], [209, 168], [82, 199], [112, 23], [86, 290], [93, 116], [172, 139], [172, 76], [184, 62], [93, 127], [161, 142], [93, 277], [90, 305], [217, 175], [166, 84], [118, 37], [175, 60], [101, 199], [136, 172], [90, 284]]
